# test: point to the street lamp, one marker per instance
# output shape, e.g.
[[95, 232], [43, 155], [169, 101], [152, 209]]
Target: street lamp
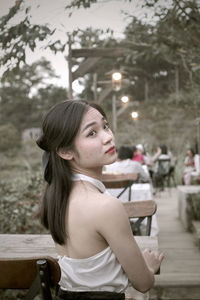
[[125, 99], [116, 86], [116, 80], [134, 115]]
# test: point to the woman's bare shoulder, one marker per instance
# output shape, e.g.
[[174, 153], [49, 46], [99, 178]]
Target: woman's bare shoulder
[[108, 205], [105, 198]]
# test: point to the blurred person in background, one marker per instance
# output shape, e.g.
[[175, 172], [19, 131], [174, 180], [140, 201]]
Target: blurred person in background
[[125, 165], [162, 163], [189, 167]]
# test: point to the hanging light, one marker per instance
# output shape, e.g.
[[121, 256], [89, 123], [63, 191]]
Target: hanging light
[[134, 115], [116, 80], [125, 99]]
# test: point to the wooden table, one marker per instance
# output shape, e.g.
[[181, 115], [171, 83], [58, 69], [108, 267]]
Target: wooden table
[[118, 180], [37, 245]]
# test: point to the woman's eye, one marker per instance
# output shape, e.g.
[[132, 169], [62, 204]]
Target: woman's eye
[[92, 133], [106, 126]]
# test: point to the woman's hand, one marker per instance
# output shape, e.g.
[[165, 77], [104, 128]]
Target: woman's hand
[[159, 151], [153, 259]]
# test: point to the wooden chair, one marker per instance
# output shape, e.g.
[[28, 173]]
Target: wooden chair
[[170, 177], [140, 210], [119, 181], [160, 178], [35, 274]]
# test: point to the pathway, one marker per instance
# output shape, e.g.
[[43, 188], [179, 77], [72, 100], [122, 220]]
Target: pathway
[[180, 271]]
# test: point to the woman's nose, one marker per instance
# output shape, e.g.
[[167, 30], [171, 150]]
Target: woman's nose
[[107, 136]]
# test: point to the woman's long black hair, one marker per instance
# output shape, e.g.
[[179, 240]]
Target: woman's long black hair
[[59, 129]]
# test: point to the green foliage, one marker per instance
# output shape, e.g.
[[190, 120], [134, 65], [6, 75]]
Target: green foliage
[[91, 38], [161, 61], [25, 94], [161, 120], [10, 137], [21, 186], [20, 203], [82, 4], [160, 58], [15, 39], [195, 206]]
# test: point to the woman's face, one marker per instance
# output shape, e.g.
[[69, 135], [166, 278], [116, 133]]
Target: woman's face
[[189, 153], [94, 144]]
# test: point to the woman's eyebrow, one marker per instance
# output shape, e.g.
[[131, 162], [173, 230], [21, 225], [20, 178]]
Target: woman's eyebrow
[[89, 125], [92, 123]]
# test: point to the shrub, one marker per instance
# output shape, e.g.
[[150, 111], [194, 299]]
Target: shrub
[[9, 137], [19, 203], [195, 206]]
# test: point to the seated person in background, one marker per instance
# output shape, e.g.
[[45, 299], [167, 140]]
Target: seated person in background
[[125, 165], [189, 164], [138, 154], [161, 162], [145, 159], [146, 156]]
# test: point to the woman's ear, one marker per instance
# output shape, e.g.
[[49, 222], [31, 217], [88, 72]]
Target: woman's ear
[[66, 154]]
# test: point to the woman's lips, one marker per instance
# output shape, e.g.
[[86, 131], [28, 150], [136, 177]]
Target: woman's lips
[[111, 150]]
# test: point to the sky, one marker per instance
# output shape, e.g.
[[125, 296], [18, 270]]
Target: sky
[[103, 15]]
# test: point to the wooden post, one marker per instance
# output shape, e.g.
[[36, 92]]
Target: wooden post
[[95, 86], [177, 81], [70, 90], [146, 90], [114, 115]]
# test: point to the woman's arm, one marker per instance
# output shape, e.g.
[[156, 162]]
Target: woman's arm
[[156, 155], [189, 162], [114, 226]]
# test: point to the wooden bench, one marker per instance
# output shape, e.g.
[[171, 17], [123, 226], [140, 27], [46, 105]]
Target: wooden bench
[[30, 260], [17, 246]]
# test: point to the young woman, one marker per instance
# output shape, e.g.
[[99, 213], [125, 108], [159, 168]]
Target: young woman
[[189, 164], [98, 254]]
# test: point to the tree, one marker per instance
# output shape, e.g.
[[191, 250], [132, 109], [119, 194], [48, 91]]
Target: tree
[[45, 98], [161, 56], [21, 96], [179, 33], [15, 39], [10, 138], [83, 3], [145, 62]]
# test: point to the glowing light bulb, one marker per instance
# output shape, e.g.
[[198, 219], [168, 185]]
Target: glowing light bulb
[[125, 99], [134, 115], [116, 76]]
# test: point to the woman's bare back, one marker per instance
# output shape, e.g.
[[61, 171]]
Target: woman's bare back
[[84, 240]]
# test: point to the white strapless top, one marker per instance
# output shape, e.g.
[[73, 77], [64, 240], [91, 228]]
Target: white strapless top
[[100, 272]]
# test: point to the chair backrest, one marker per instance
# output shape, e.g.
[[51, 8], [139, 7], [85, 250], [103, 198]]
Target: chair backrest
[[164, 166], [119, 181], [33, 273], [141, 210]]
